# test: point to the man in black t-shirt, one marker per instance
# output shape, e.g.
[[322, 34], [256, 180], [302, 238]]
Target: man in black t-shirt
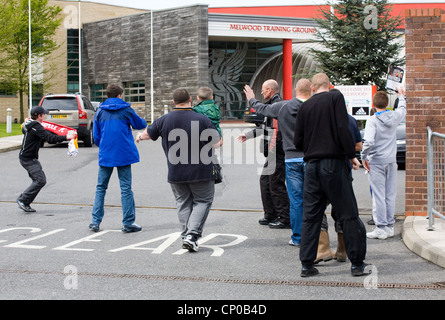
[[188, 139]]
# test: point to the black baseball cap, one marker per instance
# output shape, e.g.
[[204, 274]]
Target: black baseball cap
[[35, 111]]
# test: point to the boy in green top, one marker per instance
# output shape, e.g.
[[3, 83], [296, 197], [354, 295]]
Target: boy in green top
[[207, 107]]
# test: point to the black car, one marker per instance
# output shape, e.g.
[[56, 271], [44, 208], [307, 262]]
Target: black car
[[401, 144], [252, 117]]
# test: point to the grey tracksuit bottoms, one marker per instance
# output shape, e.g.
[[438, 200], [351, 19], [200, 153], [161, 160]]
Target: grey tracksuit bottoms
[[383, 181], [193, 202]]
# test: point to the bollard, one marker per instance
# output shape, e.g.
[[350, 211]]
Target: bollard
[[8, 120], [165, 109]]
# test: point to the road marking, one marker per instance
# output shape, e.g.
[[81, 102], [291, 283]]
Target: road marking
[[169, 239]]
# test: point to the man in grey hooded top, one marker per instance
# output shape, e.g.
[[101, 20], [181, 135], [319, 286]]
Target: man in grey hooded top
[[379, 159]]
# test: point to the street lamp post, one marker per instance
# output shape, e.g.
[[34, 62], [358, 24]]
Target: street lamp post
[[151, 63], [30, 55], [80, 51]]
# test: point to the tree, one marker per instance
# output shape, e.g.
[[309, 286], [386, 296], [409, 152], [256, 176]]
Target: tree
[[14, 41], [360, 41]]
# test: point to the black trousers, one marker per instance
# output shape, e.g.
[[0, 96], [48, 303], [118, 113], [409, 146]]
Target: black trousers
[[38, 178], [330, 179], [273, 189]]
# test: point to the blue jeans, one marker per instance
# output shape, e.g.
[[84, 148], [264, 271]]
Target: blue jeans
[[127, 199], [295, 181]]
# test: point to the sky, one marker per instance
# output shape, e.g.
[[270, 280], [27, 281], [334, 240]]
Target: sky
[[157, 5]]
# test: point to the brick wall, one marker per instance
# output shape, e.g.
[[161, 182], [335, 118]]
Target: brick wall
[[425, 92]]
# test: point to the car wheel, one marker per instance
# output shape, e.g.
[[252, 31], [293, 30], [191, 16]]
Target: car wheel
[[88, 139]]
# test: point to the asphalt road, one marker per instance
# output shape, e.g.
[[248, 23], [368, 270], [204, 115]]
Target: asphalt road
[[51, 254]]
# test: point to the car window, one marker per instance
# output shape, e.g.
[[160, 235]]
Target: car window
[[401, 132], [60, 103], [87, 104], [95, 105]]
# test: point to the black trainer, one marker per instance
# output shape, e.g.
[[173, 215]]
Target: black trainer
[[279, 225], [266, 221], [308, 272], [25, 207], [131, 228], [94, 226], [190, 243], [362, 270]]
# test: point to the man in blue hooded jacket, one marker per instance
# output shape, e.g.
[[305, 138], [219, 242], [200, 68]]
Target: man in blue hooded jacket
[[112, 134]]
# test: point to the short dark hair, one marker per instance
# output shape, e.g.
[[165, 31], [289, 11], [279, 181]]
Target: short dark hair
[[181, 95], [113, 90], [380, 100]]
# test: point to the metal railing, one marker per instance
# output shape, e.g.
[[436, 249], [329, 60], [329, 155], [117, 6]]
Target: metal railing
[[435, 150]]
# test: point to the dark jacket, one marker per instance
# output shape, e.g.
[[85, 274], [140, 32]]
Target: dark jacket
[[112, 132], [286, 113], [322, 128], [34, 135], [272, 140], [187, 139]]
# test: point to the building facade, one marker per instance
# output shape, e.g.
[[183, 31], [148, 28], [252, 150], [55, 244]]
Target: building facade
[[119, 51], [191, 48], [61, 68], [152, 53]]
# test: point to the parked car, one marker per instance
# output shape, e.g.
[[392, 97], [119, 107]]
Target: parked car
[[96, 105], [401, 144], [71, 110], [252, 117]]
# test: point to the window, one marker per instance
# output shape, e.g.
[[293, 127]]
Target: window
[[37, 93], [60, 103], [6, 89], [73, 60], [87, 104], [231, 66], [98, 92], [134, 91]]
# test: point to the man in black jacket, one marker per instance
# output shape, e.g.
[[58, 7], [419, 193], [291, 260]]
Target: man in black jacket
[[273, 178], [34, 135], [322, 132], [286, 112]]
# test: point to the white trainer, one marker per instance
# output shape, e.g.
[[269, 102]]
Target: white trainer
[[389, 231], [377, 233]]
